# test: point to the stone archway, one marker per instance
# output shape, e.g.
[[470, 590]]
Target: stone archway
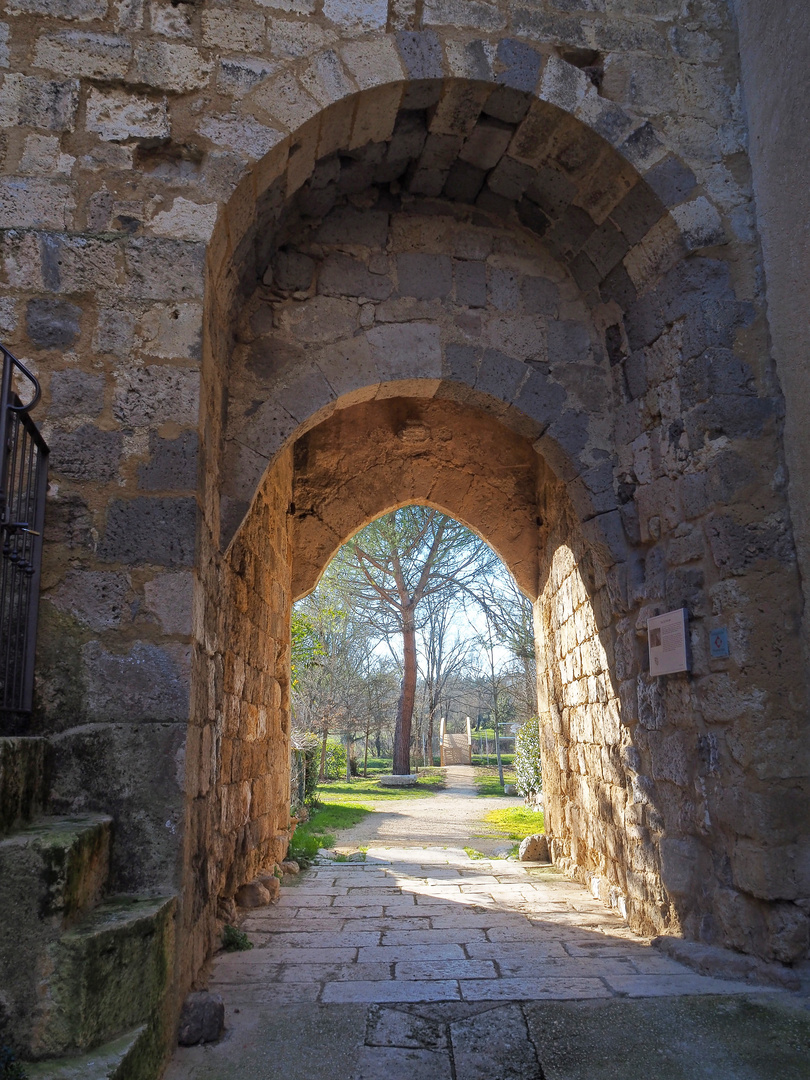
[[600, 327]]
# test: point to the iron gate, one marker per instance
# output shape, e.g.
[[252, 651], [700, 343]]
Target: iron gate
[[23, 480]]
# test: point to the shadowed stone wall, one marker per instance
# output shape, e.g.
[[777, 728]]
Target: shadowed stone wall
[[222, 225]]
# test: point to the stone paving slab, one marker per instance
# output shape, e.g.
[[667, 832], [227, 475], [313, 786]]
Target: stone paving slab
[[432, 925], [740, 1037], [422, 963]]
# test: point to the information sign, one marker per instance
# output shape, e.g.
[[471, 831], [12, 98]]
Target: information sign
[[669, 642]]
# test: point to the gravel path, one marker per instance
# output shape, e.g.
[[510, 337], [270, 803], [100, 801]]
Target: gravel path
[[452, 819]]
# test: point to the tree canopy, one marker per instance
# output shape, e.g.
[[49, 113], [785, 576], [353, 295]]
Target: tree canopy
[[414, 593]]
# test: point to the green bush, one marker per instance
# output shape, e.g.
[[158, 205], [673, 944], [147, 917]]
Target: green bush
[[528, 770], [312, 759], [335, 761]]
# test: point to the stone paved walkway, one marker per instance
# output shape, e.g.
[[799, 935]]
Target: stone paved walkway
[[424, 924], [424, 963]]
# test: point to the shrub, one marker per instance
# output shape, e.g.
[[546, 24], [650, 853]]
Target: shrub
[[234, 940], [528, 770], [335, 764], [312, 760]]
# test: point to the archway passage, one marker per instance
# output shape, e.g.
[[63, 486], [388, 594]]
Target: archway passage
[[611, 430]]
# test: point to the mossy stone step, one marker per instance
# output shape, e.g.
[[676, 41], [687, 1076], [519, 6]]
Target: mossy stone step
[[51, 872], [56, 867], [117, 1060], [24, 779], [110, 973]]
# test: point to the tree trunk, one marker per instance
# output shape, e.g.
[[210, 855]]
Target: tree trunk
[[322, 770], [407, 696], [365, 756], [429, 747], [498, 739]]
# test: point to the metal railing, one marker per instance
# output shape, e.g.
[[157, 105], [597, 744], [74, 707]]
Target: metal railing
[[23, 486]]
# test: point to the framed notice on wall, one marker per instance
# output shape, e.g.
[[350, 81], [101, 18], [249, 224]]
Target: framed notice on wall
[[669, 642]]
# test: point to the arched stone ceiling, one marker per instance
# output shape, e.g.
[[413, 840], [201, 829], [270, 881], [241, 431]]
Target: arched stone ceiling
[[368, 459]]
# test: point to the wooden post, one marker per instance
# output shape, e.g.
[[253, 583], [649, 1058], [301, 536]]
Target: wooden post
[[469, 738], [441, 741]]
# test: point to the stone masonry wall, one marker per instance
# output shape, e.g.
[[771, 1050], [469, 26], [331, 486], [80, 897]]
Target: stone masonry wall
[[157, 158], [237, 753]]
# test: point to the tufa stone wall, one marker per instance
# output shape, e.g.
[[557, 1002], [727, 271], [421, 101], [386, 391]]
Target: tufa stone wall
[[167, 171]]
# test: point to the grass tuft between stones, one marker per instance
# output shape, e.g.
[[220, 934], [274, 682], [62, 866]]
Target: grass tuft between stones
[[233, 940]]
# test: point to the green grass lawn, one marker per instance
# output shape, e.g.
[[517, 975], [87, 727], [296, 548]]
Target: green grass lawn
[[315, 833], [487, 782], [481, 759], [516, 823], [360, 790]]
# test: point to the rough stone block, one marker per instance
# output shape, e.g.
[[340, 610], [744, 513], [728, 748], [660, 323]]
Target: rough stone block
[[233, 31], [149, 682], [671, 180], [406, 350], [520, 63], [24, 779], [96, 598], [424, 276], [173, 464], [357, 15], [534, 848], [88, 453], [464, 182], [74, 52], [252, 895], [132, 770], [80, 10], [115, 332], [353, 227], [169, 598], [471, 283], [52, 324], [202, 1018], [487, 143], [160, 531], [35, 204], [171, 66], [475, 14], [172, 331], [161, 269], [29, 102], [110, 973], [157, 393], [118, 116], [343, 275], [539, 296], [76, 393], [421, 54], [504, 288], [237, 76]]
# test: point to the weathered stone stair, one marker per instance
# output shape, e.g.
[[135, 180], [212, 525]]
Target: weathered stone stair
[[82, 976]]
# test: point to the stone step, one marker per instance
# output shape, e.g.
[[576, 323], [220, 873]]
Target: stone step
[[121, 1059], [24, 780], [56, 866], [51, 872], [110, 973]]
